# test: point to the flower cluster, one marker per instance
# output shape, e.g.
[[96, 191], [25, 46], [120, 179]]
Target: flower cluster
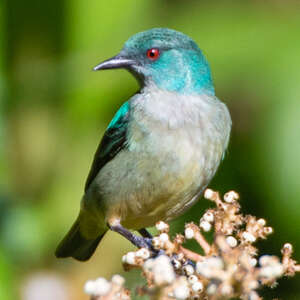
[[229, 267], [105, 290]]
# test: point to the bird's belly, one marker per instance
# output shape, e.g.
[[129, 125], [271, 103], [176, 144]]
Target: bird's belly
[[158, 182]]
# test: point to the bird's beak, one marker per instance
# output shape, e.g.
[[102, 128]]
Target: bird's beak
[[115, 62]]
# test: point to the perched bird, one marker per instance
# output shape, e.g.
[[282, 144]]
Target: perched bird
[[161, 148]]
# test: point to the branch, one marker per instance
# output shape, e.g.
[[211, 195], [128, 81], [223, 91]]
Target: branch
[[229, 268]]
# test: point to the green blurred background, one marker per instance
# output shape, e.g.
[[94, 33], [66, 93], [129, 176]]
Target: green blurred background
[[54, 109]]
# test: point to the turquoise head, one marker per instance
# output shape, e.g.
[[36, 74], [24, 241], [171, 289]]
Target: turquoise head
[[167, 59]]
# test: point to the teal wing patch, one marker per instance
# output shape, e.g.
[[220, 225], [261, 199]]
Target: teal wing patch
[[113, 141]]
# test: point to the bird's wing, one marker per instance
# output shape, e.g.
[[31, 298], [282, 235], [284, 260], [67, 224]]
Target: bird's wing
[[112, 142]]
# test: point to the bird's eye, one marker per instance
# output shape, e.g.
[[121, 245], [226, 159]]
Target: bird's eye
[[153, 54]]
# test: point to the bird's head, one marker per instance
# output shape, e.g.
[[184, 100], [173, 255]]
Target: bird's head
[[165, 58]]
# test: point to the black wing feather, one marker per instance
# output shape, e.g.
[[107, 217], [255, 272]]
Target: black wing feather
[[113, 141]]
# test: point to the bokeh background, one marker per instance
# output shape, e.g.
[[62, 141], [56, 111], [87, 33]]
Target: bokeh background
[[54, 110]]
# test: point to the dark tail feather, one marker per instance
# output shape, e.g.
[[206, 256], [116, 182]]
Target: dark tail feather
[[77, 246]]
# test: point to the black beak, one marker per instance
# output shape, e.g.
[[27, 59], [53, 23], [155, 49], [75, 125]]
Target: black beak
[[114, 63]]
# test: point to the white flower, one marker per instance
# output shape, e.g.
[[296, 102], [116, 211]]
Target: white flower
[[98, 287], [268, 230], [248, 237], [253, 262], [130, 258], [226, 289], [118, 280], [253, 285], [164, 237], [208, 194], [162, 270], [271, 267], [231, 197], [288, 246], [192, 279], [182, 291], [143, 253], [211, 289], [231, 241], [162, 226], [208, 267], [176, 263], [253, 296], [209, 217], [189, 233], [89, 287], [205, 226], [272, 271], [156, 242], [189, 270], [148, 265], [261, 222], [266, 260], [197, 286]]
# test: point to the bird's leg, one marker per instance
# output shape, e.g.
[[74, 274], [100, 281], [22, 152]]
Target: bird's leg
[[138, 241], [145, 233], [144, 241]]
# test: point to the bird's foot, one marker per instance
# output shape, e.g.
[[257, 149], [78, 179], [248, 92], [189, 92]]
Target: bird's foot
[[138, 241], [142, 242], [145, 241]]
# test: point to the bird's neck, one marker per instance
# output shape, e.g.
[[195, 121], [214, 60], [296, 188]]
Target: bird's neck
[[172, 108]]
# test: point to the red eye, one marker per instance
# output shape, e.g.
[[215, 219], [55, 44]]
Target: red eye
[[153, 54]]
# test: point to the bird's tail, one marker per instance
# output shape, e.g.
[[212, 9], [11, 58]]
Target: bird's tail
[[76, 245]]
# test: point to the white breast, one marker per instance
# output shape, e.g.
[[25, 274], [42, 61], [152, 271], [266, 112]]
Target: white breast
[[175, 144]]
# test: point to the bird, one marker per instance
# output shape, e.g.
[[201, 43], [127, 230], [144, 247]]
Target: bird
[[160, 150]]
